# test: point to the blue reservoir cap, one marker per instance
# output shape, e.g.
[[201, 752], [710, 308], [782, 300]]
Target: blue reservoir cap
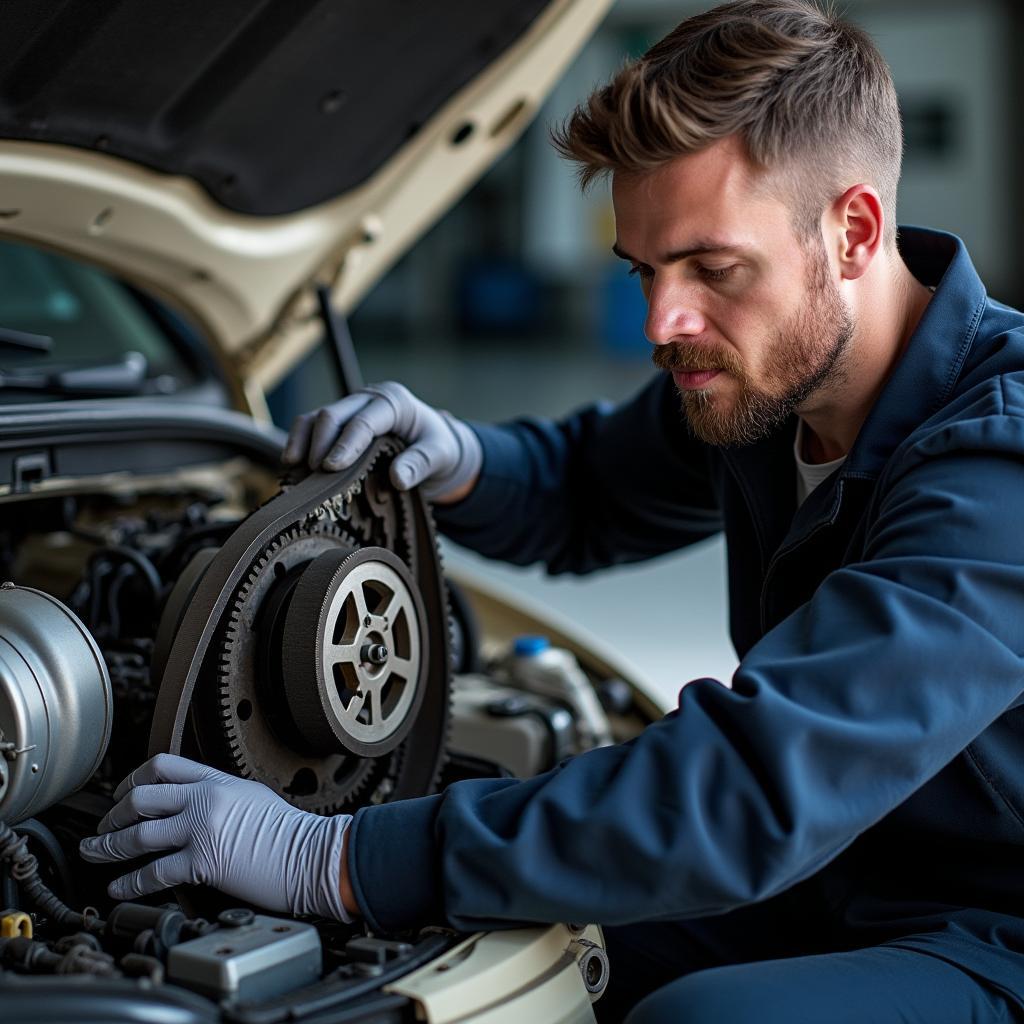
[[527, 646]]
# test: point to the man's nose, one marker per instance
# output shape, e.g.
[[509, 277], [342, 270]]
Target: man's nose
[[672, 313]]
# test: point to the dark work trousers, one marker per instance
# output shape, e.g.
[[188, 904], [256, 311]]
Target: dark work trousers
[[756, 966]]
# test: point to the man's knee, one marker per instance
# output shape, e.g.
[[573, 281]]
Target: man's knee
[[883, 983], [715, 996]]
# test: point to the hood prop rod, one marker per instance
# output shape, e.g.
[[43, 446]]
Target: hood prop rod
[[346, 362]]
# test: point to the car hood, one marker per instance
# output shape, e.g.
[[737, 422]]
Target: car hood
[[232, 156]]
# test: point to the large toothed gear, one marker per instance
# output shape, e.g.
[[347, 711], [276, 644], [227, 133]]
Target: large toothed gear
[[313, 651], [253, 716]]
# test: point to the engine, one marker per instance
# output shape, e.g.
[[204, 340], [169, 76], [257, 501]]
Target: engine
[[310, 644], [305, 645]]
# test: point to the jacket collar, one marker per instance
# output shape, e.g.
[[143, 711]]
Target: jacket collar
[[918, 386], [923, 378]]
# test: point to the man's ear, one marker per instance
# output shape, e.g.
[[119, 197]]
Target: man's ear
[[858, 224]]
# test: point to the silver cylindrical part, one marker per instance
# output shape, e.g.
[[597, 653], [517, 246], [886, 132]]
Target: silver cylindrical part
[[56, 706], [593, 964]]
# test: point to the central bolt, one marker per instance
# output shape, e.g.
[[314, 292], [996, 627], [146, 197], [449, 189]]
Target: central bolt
[[375, 654]]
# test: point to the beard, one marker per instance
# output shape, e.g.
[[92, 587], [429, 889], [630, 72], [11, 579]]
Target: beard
[[803, 356]]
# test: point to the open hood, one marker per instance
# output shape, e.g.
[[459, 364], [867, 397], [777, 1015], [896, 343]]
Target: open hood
[[230, 156]]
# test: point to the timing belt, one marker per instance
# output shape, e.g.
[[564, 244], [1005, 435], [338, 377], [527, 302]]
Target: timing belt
[[225, 572]]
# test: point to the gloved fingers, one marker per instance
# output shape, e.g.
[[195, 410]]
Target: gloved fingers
[[165, 768], [408, 408], [328, 422], [142, 802], [175, 869], [415, 465], [377, 417], [137, 840], [297, 445]]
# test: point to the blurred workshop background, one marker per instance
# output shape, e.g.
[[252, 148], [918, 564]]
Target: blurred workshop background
[[513, 304]]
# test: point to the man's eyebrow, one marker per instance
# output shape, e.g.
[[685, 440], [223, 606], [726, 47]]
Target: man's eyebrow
[[699, 248]]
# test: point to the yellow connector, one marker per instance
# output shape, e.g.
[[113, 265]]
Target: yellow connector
[[14, 924]]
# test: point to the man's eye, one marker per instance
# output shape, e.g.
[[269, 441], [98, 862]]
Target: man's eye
[[640, 271], [715, 274]]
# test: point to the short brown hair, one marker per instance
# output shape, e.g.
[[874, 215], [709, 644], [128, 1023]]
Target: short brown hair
[[808, 93]]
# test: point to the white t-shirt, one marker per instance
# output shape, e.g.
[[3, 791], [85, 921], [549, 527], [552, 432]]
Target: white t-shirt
[[809, 474]]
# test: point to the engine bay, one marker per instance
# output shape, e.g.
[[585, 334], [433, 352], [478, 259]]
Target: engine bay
[[299, 632]]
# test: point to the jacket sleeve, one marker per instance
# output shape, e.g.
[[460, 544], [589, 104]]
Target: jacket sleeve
[[834, 718], [604, 486]]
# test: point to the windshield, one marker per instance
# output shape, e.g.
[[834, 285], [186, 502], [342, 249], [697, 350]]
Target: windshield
[[93, 319]]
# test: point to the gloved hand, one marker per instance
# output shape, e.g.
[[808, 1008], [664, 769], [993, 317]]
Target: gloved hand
[[444, 455], [234, 834]]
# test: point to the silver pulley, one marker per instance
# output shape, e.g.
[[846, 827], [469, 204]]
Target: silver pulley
[[56, 706], [357, 680]]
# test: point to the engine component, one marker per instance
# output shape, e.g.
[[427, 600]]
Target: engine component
[[369, 724], [593, 961], [149, 931], [56, 705], [24, 870], [35, 957], [255, 721], [14, 924], [536, 666], [260, 959], [357, 677], [524, 733], [174, 608]]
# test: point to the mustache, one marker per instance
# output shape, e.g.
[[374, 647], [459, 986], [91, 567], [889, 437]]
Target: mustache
[[689, 358]]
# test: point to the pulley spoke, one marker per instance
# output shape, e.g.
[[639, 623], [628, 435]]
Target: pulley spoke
[[359, 599], [343, 654], [355, 705], [402, 667], [394, 606], [376, 707]]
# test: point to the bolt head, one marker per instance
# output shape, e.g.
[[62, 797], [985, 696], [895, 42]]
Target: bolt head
[[375, 654]]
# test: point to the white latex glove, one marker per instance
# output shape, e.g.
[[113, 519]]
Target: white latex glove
[[444, 455], [233, 834]]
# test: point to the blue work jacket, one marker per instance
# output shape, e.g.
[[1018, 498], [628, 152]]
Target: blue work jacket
[[869, 753]]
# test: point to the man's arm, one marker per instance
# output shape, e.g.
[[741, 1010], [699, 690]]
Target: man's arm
[[606, 485], [835, 717]]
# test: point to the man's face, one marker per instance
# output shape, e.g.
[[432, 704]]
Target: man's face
[[746, 316]]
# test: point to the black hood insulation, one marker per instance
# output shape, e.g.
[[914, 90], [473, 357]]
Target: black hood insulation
[[271, 105]]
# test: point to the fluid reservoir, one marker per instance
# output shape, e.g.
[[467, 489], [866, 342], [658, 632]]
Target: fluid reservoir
[[56, 706], [537, 666]]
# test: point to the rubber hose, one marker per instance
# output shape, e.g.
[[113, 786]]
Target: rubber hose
[[24, 869], [36, 832]]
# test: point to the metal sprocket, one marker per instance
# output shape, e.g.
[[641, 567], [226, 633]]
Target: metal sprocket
[[359, 510], [358, 678], [252, 716]]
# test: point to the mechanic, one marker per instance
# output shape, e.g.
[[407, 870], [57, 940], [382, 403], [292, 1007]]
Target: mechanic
[[838, 834]]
